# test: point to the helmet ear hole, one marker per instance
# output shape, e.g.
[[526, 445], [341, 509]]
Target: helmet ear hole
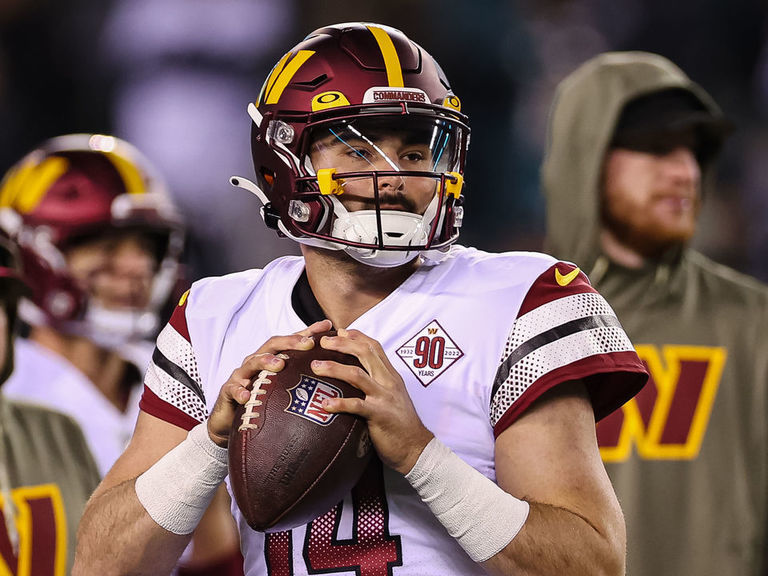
[[268, 177]]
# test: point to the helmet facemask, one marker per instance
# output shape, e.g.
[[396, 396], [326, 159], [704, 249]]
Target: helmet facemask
[[390, 180], [383, 183]]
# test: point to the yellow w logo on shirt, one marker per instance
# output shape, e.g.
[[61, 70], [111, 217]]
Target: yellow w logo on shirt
[[41, 528], [667, 420]]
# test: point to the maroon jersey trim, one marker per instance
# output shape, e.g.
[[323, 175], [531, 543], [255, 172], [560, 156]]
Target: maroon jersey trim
[[158, 408], [546, 288], [179, 320]]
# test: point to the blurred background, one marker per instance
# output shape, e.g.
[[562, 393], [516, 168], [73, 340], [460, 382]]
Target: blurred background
[[174, 77]]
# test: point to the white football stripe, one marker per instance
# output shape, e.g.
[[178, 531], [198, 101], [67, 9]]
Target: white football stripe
[[165, 387], [173, 345], [555, 313]]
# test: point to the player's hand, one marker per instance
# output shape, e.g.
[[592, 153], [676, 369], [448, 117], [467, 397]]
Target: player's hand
[[396, 429], [234, 392]]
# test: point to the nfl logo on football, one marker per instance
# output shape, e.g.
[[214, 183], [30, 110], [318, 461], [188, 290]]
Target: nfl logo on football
[[307, 399]]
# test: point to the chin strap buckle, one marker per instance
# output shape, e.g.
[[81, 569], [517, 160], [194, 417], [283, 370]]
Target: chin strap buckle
[[270, 215]]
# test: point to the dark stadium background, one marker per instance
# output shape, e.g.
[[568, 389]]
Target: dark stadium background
[[175, 76]]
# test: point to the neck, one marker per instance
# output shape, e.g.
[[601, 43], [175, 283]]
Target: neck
[[346, 288], [104, 368], [619, 252]]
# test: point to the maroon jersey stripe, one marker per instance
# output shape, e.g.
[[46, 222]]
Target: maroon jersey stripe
[[179, 320], [152, 404]]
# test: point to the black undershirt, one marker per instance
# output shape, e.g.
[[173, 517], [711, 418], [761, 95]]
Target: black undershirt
[[304, 302]]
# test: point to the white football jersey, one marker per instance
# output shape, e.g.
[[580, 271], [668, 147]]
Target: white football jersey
[[476, 338], [42, 377]]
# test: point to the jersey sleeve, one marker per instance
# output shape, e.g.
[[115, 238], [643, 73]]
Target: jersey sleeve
[[172, 386], [564, 331]]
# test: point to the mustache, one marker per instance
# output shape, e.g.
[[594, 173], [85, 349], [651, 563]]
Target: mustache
[[396, 201]]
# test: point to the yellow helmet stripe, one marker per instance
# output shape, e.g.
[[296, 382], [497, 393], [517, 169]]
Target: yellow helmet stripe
[[25, 187], [391, 59], [272, 77], [129, 172], [11, 184], [285, 76]]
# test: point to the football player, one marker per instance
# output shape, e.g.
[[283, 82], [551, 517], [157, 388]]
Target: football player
[[633, 146], [483, 373], [47, 472], [100, 241]]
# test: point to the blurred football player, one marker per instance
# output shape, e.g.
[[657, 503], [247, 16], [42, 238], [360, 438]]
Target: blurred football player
[[47, 472], [100, 241], [484, 373], [633, 144]]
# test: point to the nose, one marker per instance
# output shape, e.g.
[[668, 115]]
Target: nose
[[681, 166], [388, 162], [390, 184], [128, 280]]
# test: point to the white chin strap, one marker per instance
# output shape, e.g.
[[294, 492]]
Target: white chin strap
[[112, 329], [397, 228]]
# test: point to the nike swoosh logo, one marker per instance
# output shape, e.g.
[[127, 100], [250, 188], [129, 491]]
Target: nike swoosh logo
[[568, 278]]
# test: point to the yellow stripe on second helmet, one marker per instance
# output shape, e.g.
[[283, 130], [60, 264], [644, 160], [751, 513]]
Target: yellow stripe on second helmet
[[391, 59], [129, 172], [25, 187]]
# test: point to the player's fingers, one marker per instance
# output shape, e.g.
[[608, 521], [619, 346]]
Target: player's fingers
[[277, 344], [367, 350], [235, 390], [355, 406], [354, 375], [268, 356], [232, 393], [316, 328], [255, 363]]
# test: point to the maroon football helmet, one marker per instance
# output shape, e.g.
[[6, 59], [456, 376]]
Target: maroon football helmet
[[321, 123], [76, 188]]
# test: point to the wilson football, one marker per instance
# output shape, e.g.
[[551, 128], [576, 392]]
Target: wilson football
[[290, 461]]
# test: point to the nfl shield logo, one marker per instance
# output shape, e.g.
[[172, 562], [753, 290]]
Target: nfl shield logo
[[307, 399]]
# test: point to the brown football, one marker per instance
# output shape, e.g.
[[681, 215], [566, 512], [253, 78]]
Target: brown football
[[290, 461]]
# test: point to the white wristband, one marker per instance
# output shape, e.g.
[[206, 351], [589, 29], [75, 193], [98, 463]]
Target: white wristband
[[178, 488], [482, 517]]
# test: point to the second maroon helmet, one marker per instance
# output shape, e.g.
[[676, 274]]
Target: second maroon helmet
[[78, 187]]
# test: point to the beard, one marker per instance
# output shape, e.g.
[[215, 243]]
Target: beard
[[653, 231]]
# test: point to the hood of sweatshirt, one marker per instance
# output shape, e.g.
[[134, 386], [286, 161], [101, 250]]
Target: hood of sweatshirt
[[582, 121]]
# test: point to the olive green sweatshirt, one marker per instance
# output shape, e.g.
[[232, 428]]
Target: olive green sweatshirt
[[688, 456], [47, 475]]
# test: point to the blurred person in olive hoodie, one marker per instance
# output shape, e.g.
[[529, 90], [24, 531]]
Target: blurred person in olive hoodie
[[631, 151]]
